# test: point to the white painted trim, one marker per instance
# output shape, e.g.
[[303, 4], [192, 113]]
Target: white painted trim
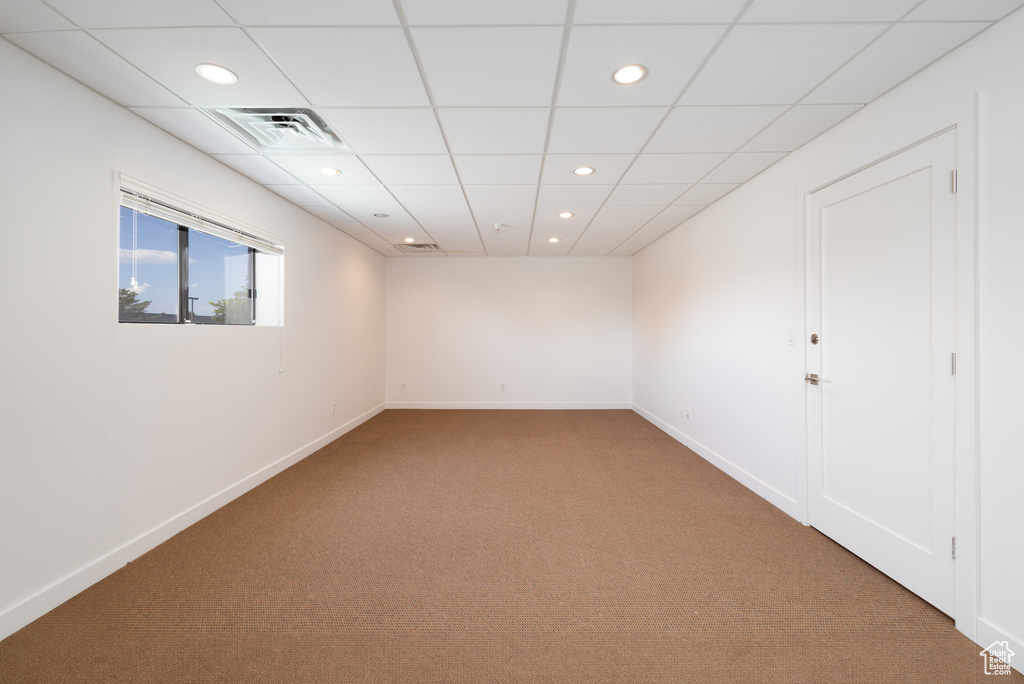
[[46, 599], [989, 633], [787, 504], [963, 115], [510, 405]]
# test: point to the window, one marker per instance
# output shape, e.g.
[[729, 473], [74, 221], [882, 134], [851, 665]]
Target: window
[[176, 266]]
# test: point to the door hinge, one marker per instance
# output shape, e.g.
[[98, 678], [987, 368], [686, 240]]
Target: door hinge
[[954, 548], [953, 182], [952, 365]]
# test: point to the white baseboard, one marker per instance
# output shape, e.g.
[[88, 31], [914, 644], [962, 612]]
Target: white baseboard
[[538, 405], [989, 633], [46, 599], [786, 503]]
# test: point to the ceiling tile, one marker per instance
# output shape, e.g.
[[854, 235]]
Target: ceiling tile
[[581, 215], [300, 195], [258, 168], [336, 217], [596, 245], [397, 221], [565, 231], [31, 15], [608, 168], [799, 125], [613, 229], [507, 245], [346, 196], [587, 195], [742, 166], [460, 243], [396, 232], [768, 64], [446, 228], [893, 58], [375, 130], [540, 247], [500, 74], [434, 215], [797, 11], [672, 168], [412, 169], [656, 11], [313, 12], [495, 130], [474, 12], [306, 168], [677, 214], [638, 195], [320, 63], [501, 195], [493, 169], [132, 13], [85, 59], [510, 215], [428, 195], [711, 129], [672, 55], [634, 213], [706, 193], [195, 128], [260, 82], [603, 129], [958, 10]]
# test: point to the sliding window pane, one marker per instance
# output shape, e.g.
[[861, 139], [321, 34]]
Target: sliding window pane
[[147, 280], [219, 275]]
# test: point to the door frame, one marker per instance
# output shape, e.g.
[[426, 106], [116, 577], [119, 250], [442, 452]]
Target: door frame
[[961, 116]]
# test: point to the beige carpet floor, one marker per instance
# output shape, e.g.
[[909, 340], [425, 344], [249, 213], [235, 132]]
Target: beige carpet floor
[[496, 546]]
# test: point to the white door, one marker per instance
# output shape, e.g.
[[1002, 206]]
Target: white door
[[881, 299]]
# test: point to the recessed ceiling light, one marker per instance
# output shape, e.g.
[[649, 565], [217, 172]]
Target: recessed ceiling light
[[214, 73], [633, 73], [553, 240], [410, 239], [583, 171], [566, 214], [330, 171], [382, 215]]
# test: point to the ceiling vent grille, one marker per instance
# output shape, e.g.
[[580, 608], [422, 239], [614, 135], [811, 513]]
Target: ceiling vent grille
[[279, 130], [428, 247]]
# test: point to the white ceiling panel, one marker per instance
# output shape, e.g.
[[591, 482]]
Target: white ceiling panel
[[677, 214], [301, 195], [799, 125], [958, 10], [639, 195], [540, 247], [488, 216], [656, 11], [405, 169], [346, 196], [493, 169], [549, 214], [501, 195], [769, 64], [432, 215], [132, 13], [82, 57], [628, 213], [501, 73], [336, 217], [374, 130], [306, 168], [171, 55], [313, 12], [460, 243], [31, 15], [586, 195], [495, 130], [474, 12], [507, 245], [320, 62], [706, 193], [672, 168], [596, 245], [195, 128], [397, 221], [742, 166], [901, 52], [711, 129], [453, 228], [608, 168], [563, 230], [672, 55], [258, 168], [797, 11], [603, 129], [613, 229], [428, 195]]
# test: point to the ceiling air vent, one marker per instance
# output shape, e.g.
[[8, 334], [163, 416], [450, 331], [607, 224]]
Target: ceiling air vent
[[279, 130], [430, 247]]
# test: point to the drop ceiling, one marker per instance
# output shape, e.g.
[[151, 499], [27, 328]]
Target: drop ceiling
[[463, 120]]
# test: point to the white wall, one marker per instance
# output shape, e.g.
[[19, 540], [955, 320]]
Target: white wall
[[556, 330], [715, 298], [115, 436]]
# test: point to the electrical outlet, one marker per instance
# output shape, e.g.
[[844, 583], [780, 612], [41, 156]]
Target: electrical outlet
[[401, 386], [686, 412], [332, 407], [501, 386]]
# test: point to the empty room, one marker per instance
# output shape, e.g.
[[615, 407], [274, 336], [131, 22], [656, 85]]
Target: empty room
[[535, 341]]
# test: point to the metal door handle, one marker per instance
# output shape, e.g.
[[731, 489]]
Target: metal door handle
[[812, 378]]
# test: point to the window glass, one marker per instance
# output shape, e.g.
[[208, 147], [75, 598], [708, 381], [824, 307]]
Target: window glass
[[220, 277], [147, 269]]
